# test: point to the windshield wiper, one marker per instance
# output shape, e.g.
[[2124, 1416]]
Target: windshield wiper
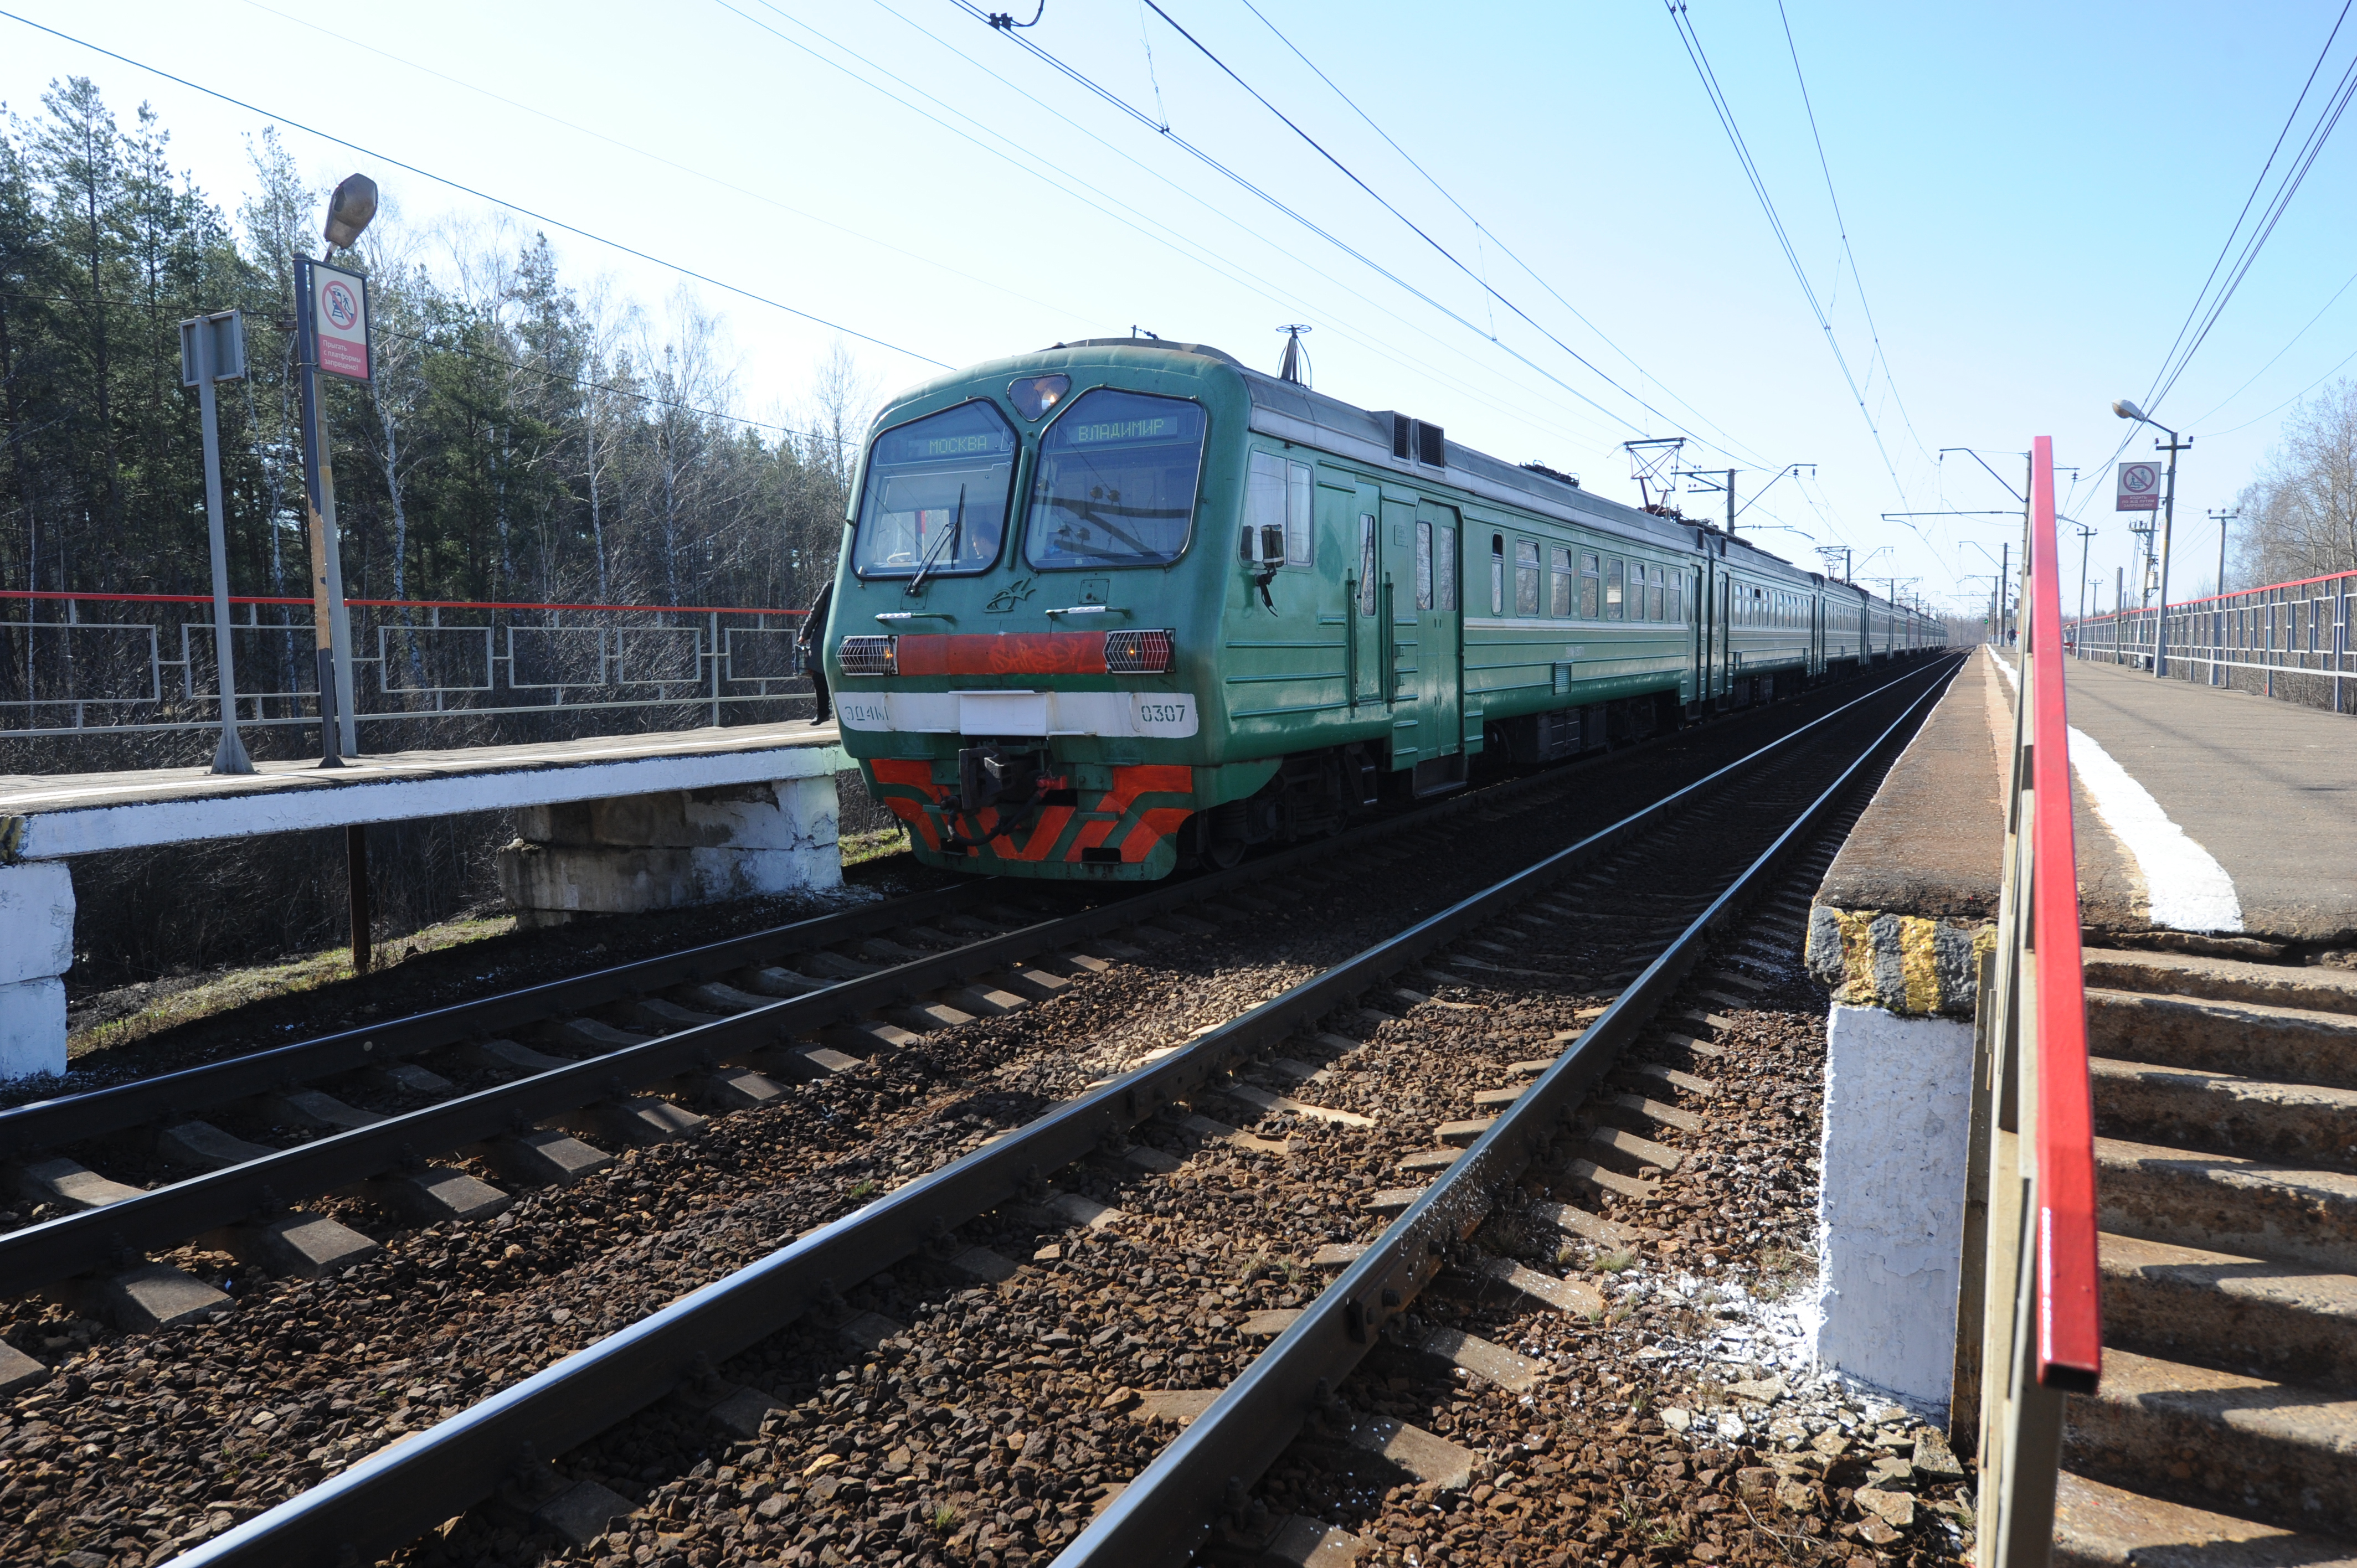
[[957, 523]]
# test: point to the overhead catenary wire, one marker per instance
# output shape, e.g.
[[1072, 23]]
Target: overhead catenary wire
[[1142, 222], [1482, 231], [479, 194], [1726, 112], [1245, 183], [1841, 225]]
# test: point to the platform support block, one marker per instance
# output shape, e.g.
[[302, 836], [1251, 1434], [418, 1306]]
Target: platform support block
[[666, 851], [36, 916]]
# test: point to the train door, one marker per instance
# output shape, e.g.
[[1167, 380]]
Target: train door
[[1404, 650], [1434, 598], [1363, 583]]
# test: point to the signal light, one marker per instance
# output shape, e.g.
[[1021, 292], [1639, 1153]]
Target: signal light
[[1035, 395], [1138, 652]]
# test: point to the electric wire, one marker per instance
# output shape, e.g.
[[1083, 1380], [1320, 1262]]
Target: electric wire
[[595, 135], [1141, 222], [2278, 354], [1726, 112], [2154, 392], [1084, 81], [479, 194], [1889, 382], [1412, 227]]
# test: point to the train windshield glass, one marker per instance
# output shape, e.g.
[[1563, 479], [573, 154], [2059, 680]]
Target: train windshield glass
[[1117, 478], [936, 494]]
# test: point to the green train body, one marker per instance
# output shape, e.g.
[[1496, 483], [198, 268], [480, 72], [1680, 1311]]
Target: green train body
[[1123, 604]]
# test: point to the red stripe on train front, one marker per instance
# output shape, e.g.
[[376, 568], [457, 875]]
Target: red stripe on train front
[[1009, 653]]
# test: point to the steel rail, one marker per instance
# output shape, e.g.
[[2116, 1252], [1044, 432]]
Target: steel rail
[[400, 1491], [1163, 1514], [169, 1215], [47, 1124]]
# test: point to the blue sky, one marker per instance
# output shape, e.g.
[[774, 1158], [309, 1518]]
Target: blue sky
[[2033, 197]]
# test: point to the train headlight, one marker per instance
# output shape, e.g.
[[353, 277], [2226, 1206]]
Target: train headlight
[[871, 655], [1035, 395], [1137, 652]]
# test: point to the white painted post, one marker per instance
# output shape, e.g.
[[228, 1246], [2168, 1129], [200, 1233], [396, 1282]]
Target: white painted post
[[36, 911]]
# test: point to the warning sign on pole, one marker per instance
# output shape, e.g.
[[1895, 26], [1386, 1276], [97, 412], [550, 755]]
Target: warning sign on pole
[[2139, 488], [340, 321]]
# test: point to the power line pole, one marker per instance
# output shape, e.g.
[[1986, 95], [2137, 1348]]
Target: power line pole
[[2218, 666]]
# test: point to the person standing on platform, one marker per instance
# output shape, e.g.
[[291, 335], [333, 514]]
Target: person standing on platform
[[814, 650]]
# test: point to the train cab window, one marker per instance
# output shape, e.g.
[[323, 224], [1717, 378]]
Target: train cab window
[[1497, 574], [1612, 569], [1423, 566], [1366, 563], [1558, 581], [1526, 577], [1673, 598], [1653, 592], [1591, 590], [1117, 476], [1445, 564], [936, 495], [1277, 495]]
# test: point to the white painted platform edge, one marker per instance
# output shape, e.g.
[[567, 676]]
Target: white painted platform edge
[[2186, 889], [60, 832]]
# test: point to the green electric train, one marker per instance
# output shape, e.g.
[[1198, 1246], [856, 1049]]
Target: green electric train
[[1125, 604]]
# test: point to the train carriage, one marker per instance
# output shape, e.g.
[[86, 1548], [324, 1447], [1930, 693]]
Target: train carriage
[[1125, 603]]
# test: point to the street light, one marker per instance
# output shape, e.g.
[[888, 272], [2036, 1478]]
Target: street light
[[2176, 443]]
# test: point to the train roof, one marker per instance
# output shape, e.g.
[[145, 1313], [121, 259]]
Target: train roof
[[1292, 412]]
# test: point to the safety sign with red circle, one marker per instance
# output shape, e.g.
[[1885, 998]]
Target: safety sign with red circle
[[340, 320], [2139, 488]]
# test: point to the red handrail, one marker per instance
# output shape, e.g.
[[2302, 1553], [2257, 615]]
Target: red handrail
[[382, 604], [2070, 1323]]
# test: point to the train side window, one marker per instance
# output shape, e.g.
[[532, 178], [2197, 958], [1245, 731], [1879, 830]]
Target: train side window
[[1558, 581], [1612, 568], [1497, 574], [1423, 566], [1653, 592], [1366, 563], [1445, 588], [1278, 496], [1591, 588], [1526, 577], [1674, 597]]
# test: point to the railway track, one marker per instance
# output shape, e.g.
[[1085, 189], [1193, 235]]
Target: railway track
[[1139, 1139], [626, 1055]]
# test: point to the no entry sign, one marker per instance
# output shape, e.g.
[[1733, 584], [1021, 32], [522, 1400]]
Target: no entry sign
[[2139, 488], [338, 319]]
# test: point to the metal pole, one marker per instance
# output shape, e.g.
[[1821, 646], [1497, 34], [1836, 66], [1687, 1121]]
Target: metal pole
[[331, 634], [2085, 534], [2218, 676], [2168, 522], [203, 362], [1730, 503]]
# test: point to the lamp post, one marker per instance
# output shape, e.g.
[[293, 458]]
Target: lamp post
[[2217, 630], [2176, 443]]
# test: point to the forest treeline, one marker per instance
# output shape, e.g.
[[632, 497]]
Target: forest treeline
[[524, 439], [527, 439]]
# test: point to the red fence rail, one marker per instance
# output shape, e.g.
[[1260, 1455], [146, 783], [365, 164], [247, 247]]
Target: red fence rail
[[2037, 1321]]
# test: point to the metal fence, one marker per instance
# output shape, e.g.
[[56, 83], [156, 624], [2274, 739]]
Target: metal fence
[[77, 665], [2029, 1321], [2290, 640]]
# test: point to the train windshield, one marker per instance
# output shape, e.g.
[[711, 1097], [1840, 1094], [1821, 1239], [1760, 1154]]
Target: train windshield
[[1117, 478], [937, 494]]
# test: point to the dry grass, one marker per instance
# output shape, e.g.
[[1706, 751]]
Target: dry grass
[[242, 987], [874, 844]]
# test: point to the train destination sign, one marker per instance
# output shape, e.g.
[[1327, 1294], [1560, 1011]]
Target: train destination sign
[[2139, 488], [340, 321]]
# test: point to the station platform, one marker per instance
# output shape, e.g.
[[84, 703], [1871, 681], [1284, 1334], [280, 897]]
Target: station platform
[[57, 816], [609, 825], [2217, 810]]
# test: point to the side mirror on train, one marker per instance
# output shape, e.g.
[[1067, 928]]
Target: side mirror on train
[[1265, 546]]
